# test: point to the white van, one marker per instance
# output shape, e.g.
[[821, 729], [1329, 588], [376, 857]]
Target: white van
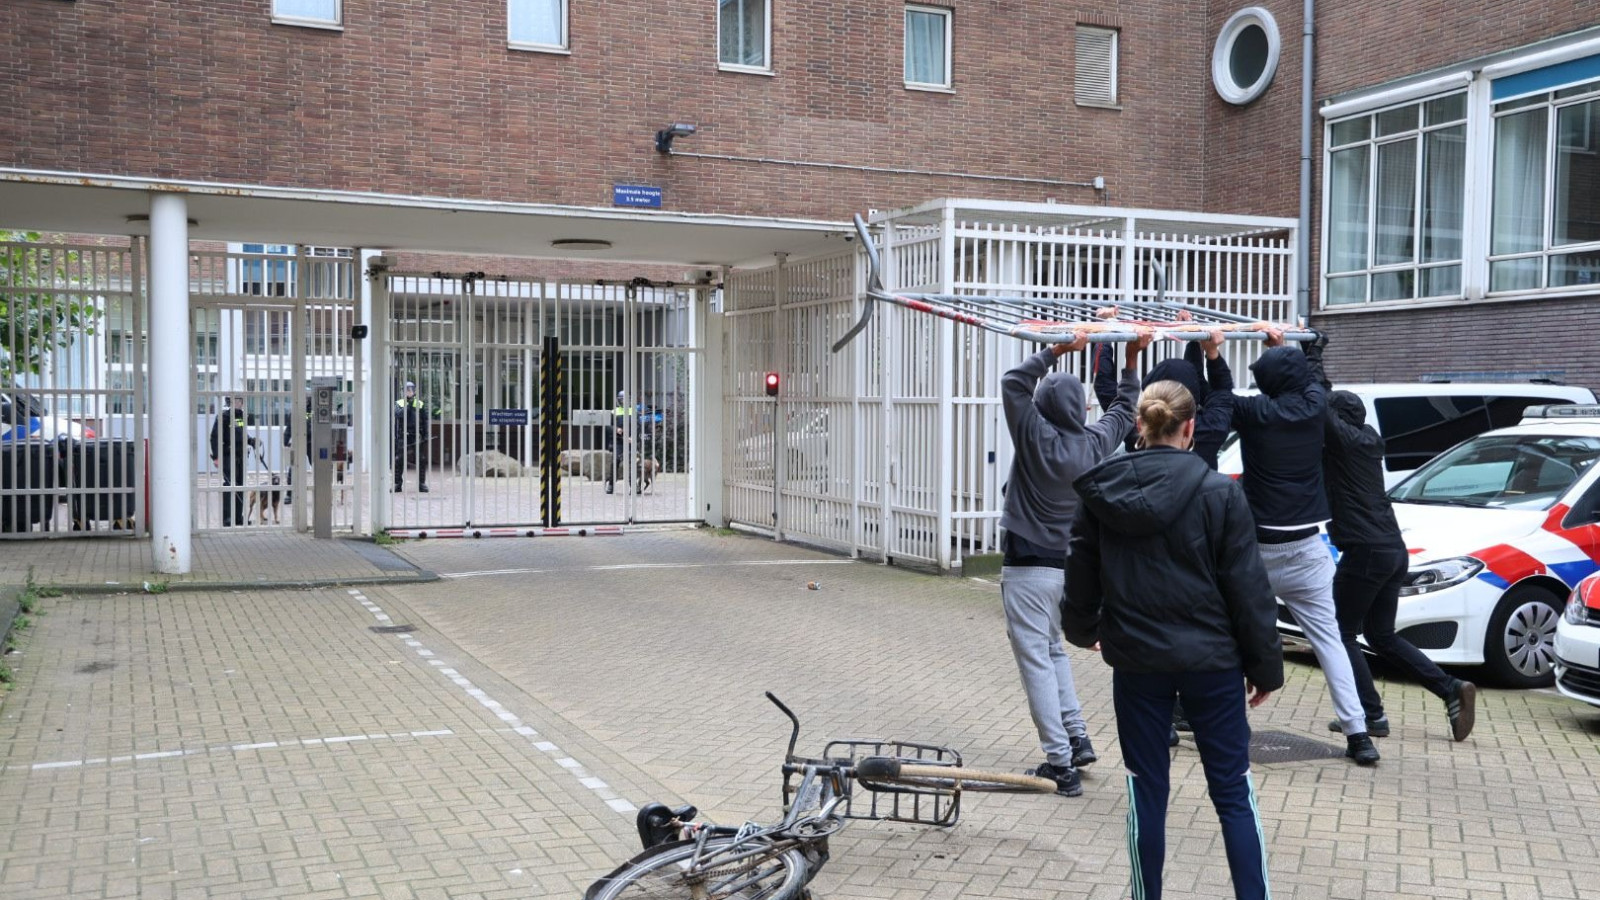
[[1420, 420]]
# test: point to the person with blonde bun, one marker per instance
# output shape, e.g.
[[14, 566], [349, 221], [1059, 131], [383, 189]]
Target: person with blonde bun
[[1164, 576]]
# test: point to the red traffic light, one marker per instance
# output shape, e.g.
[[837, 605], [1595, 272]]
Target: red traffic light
[[772, 384]]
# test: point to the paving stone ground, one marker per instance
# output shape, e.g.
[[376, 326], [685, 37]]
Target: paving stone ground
[[270, 743]]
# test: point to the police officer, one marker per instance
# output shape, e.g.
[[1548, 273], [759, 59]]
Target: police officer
[[228, 441], [288, 441], [411, 429], [617, 439]]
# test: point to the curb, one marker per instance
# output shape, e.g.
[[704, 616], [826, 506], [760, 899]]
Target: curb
[[422, 577]]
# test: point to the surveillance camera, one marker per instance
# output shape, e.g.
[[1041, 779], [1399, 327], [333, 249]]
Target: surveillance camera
[[358, 332]]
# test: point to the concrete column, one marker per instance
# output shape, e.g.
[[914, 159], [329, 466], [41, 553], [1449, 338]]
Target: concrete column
[[706, 393], [170, 385]]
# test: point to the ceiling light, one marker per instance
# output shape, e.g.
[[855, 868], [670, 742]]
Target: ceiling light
[[581, 244], [664, 136]]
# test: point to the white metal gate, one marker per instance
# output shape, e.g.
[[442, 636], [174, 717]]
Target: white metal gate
[[895, 447], [479, 352], [264, 325], [72, 447]]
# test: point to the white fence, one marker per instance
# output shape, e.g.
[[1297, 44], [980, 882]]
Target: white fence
[[895, 447]]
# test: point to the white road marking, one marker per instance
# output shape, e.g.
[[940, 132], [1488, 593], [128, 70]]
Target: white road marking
[[629, 567], [252, 747], [598, 786]]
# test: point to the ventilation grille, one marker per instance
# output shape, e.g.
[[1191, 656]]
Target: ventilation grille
[[1096, 60]]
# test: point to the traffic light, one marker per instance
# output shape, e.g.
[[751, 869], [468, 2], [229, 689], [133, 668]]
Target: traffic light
[[772, 384]]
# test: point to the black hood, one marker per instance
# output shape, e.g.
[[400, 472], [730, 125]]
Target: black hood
[[1183, 372], [1143, 492], [1281, 369], [1059, 398], [1348, 407]]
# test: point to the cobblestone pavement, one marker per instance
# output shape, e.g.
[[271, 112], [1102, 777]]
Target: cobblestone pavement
[[272, 744]]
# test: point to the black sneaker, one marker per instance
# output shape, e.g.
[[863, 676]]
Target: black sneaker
[[1082, 751], [1066, 778], [1377, 728], [1172, 737], [422, 489], [1361, 750], [1462, 707]]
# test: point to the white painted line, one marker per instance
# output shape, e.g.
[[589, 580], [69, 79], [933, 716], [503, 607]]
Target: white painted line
[[628, 567], [265, 745], [622, 806], [164, 754], [226, 748], [592, 783], [344, 739], [546, 747], [525, 731], [440, 732], [67, 764], [567, 762]]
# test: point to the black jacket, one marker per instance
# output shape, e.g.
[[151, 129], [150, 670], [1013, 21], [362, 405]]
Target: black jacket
[[1164, 572], [1352, 467], [1280, 432], [229, 437], [1213, 396]]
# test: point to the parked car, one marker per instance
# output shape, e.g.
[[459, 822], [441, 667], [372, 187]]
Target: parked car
[[1578, 643], [25, 417], [806, 442], [1420, 420], [1500, 528]]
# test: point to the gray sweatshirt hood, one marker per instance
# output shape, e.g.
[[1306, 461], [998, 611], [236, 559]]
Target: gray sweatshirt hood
[[1059, 398]]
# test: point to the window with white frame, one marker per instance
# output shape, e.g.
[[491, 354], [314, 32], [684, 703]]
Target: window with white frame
[[1544, 229], [744, 34], [1095, 62], [537, 24], [927, 56], [325, 13], [1396, 186]]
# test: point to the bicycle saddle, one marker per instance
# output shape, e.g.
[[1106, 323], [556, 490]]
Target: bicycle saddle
[[655, 822]]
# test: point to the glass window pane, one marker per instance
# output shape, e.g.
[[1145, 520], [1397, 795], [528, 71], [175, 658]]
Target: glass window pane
[[1444, 173], [1577, 191], [1521, 102], [1350, 131], [743, 25], [1444, 281], [1396, 204], [1347, 210], [1346, 290], [1517, 222], [925, 43], [322, 10], [1514, 275], [1397, 120], [536, 22], [1394, 285], [1571, 269], [1577, 90], [1445, 109]]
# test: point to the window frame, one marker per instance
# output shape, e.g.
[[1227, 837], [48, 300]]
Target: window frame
[[766, 53], [948, 15], [1222, 55], [1416, 265], [1114, 77], [564, 47], [334, 24]]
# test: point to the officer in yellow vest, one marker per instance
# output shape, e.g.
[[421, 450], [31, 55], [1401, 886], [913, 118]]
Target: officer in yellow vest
[[617, 439], [411, 433]]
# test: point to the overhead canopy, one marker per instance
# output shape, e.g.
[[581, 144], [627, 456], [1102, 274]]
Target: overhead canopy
[[63, 202]]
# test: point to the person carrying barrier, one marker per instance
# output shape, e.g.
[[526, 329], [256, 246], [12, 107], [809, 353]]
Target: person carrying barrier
[[1164, 577], [1373, 561], [1281, 434], [1045, 414]]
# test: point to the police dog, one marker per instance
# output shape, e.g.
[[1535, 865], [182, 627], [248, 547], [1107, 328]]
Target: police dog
[[648, 468], [265, 498]]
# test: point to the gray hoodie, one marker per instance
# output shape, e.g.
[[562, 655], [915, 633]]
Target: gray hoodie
[[1045, 413]]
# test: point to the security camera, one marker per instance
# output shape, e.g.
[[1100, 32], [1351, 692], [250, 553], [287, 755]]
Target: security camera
[[358, 332]]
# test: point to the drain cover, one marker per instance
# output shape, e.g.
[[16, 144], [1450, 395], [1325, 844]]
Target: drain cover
[[392, 629], [1282, 746]]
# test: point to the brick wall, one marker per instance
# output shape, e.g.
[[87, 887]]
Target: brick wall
[[417, 97]]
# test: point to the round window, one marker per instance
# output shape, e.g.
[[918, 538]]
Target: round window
[[1246, 56]]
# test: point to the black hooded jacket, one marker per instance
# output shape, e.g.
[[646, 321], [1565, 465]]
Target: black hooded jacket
[[1213, 395], [1164, 572], [1352, 465], [1280, 432]]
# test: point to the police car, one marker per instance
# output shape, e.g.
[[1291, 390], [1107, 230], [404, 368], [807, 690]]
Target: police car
[[1500, 529], [24, 417], [1578, 643]]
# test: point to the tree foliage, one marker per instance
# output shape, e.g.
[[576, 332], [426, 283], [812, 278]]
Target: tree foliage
[[38, 312]]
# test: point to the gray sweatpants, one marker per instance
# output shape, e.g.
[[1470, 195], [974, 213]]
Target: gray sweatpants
[[1301, 573], [1032, 598]]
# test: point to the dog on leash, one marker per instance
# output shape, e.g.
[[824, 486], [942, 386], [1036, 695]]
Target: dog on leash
[[648, 468], [265, 498]]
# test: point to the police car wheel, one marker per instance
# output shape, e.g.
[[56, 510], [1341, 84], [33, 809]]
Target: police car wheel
[[1519, 650]]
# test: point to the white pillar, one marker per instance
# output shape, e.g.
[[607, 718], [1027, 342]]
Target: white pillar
[[171, 409], [707, 407]]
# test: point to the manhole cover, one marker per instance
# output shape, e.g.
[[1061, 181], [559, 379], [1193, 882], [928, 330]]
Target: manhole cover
[[1281, 746], [393, 629]]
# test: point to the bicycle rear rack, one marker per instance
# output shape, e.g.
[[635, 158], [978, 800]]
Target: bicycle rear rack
[[899, 803]]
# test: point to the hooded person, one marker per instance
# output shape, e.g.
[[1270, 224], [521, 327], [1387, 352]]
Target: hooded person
[[1045, 413], [1164, 575], [1281, 436], [1213, 393], [1373, 561]]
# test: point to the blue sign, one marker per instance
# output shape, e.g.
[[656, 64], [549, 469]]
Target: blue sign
[[508, 417], [636, 195]]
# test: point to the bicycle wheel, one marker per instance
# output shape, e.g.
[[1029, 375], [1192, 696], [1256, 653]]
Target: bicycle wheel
[[662, 872], [883, 770]]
